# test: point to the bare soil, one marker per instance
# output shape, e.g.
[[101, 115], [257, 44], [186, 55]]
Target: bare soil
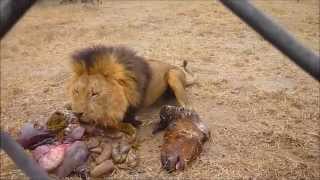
[[262, 110]]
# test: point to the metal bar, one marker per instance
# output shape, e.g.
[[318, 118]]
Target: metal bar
[[10, 13], [20, 158], [276, 35]]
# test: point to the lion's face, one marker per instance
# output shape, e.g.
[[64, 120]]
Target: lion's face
[[95, 97]]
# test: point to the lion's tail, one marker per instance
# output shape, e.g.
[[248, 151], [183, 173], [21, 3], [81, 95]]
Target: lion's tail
[[191, 78]]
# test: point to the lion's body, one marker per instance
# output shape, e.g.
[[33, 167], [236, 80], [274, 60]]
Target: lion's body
[[110, 83], [158, 83]]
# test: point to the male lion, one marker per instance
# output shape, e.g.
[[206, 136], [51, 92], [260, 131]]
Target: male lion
[[109, 84]]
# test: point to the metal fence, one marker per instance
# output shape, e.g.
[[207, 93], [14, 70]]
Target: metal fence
[[12, 10], [276, 35]]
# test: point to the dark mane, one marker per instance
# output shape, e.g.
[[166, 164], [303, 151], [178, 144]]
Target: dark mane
[[88, 56], [123, 55]]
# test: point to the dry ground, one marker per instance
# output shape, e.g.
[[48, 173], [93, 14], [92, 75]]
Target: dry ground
[[262, 110]]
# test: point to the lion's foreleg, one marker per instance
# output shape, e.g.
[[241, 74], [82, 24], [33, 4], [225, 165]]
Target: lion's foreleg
[[176, 80]]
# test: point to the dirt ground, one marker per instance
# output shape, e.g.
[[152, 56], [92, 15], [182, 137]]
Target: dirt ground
[[262, 110]]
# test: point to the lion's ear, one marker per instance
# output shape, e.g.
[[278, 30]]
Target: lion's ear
[[78, 67]]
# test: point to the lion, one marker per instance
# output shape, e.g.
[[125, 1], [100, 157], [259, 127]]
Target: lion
[[109, 84]]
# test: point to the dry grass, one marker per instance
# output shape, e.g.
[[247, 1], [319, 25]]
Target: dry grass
[[262, 110]]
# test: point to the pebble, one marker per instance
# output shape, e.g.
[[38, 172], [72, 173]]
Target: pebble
[[106, 153], [92, 143], [96, 150], [77, 133], [105, 168]]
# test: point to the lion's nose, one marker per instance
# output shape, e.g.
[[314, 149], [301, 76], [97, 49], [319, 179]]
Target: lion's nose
[[78, 114]]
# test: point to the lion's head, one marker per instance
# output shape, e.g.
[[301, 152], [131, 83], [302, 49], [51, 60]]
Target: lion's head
[[101, 89]]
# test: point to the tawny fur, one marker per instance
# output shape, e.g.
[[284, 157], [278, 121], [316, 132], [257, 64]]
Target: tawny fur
[[110, 83]]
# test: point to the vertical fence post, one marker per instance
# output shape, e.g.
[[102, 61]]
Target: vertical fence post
[[10, 13], [21, 159]]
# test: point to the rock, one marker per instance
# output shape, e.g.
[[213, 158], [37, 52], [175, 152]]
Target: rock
[[49, 157], [92, 143], [92, 162], [97, 150], [32, 134], [94, 156], [116, 156], [106, 153], [120, 151], [105, 168], [76, 156], [77, 133]]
